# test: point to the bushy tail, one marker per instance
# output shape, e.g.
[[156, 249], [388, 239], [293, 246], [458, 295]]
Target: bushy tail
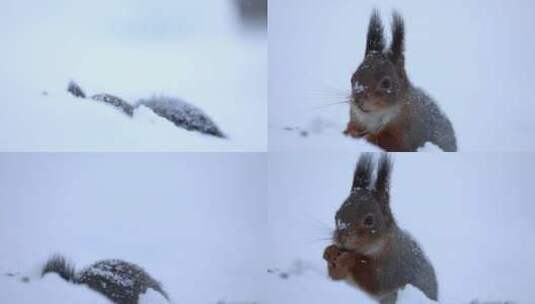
[[445, 136], [58, 264], [74, 89], [180, 113]]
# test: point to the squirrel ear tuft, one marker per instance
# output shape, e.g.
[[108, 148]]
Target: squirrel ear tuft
[[397, 48], [363, 173], [375, 40], [382, 183]]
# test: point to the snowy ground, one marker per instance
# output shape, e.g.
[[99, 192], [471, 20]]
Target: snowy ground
[[186, 218], [194, 50], [475, 59], [472, 214]]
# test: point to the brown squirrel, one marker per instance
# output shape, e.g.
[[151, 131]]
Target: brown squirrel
[[385, 108], [370, 251]]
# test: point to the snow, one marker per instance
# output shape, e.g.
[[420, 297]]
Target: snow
[[185, 218], [429, 147], [475, 61], [152, 297], [468, 211], [133, 50], [307, 134], [51, 289], [411, 295]]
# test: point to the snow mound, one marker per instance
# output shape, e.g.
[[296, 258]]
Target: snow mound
[[429, 147], [316, 132], [412, 295], [51, 289], [152, 297]]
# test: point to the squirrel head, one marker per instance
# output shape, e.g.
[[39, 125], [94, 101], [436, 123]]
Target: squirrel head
[[380, 81], [365, 220]]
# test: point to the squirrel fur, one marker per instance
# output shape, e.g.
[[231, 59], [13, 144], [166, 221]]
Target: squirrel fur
[[119, 281], [180, 113], [370, 251], [385, 108]]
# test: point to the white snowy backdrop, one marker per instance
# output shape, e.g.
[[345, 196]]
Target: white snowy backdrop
[[472, 213], [194, 221], [198, 51], [475, 58]]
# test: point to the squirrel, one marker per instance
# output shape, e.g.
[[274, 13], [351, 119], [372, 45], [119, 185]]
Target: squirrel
[[119, 281], [370, 251], [180, 113], [385, 108]]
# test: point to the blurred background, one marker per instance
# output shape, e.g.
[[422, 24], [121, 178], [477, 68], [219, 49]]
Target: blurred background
[[253, 13], [211, 53]]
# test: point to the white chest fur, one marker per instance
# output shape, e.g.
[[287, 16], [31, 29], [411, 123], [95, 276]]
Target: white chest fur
[[374, 121]]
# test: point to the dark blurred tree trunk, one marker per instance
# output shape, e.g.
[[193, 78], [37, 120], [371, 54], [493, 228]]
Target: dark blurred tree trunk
[[252, 12]]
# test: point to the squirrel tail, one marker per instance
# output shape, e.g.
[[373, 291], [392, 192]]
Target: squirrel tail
[[59, 264], [180, 113], [446, 138], [75, 90]]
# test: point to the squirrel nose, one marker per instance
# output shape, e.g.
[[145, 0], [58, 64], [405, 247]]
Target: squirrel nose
[[362, 97]]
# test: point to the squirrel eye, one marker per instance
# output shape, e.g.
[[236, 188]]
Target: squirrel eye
[[368, 220], [386, 83]]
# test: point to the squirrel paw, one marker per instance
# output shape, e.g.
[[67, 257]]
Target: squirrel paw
[[354, 131], [339, 262], [345, 260], [331, 253]]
